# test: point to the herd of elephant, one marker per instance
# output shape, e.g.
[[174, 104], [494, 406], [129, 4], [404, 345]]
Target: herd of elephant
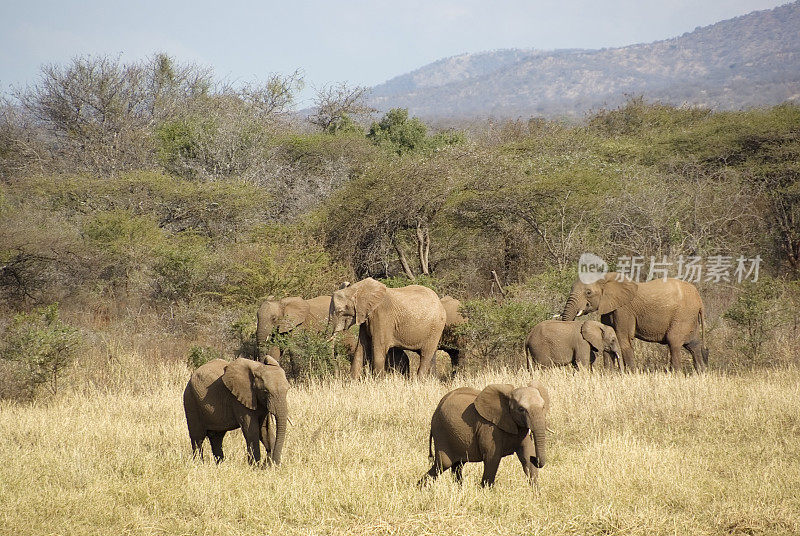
[[467, 425]]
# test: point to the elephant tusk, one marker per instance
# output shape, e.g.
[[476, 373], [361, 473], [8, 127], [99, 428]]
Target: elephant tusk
[[330, 339], [579, 313]]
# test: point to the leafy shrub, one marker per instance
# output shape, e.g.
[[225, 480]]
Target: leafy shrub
[[496, 331], [306, 354], [757, 312], [200, 355], [278, 260], [180, 267], [243, 330], [42, 346]]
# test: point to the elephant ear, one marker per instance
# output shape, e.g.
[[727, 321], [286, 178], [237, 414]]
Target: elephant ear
[[616, 293], [295, 312], [238, 378], [592, 333], [367, 297], [492, 405], [269, 360], [542, 388]]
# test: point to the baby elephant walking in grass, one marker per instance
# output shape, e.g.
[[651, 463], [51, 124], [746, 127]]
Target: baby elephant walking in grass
[[580, 344], [470, 426], [223, 396]]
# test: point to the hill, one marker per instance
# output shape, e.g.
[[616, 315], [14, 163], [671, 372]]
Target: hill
[[752, 60]]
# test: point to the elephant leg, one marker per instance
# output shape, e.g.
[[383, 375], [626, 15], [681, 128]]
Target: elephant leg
[[441, 463], [699, 355], [197, 447], [426, 359], [458, 471], [379, 352], [455, 360], [358, 355], [627, 353], [251, 430], [582, 357], [490, 467], [215, 438], [404, 364], [674, 356]]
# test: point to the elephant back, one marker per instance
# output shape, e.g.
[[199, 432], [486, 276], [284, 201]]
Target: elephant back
[[415, 303]]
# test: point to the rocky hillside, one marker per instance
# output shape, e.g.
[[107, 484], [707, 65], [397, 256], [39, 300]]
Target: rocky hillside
[[747, 61]]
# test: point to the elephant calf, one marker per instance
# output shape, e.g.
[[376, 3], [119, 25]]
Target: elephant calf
[[470, 426], [558, 342], [223, 396]]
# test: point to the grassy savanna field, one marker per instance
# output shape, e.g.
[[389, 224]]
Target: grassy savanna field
[[645, 453]]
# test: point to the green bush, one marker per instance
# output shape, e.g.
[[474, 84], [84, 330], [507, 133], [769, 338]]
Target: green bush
[[307, 354], [758, 311], [42, 346], [243, 330], [496, 331], [200, 355]]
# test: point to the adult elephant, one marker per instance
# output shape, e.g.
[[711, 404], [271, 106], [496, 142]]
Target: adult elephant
[[285, 315], [664, 311], [555, 342], [410, 318], [223, 396]]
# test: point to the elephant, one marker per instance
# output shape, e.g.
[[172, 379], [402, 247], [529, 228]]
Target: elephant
[[450, 342], [287, 314], [470, 425], [410, 317], [666, 311], [556, 342], [243, 393]]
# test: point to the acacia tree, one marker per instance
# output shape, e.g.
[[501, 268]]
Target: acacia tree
[[336, 105], [372, 219], [100, 112]]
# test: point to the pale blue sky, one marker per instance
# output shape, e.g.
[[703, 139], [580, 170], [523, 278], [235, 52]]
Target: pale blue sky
[[360, 42]]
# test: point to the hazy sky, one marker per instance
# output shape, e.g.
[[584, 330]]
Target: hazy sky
[[360, 42]]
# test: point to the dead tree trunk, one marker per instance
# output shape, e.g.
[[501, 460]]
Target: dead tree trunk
[[423, 248], [403, 260]]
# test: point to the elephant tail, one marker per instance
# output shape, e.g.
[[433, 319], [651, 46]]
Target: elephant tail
[[703, 348], [430, 443]]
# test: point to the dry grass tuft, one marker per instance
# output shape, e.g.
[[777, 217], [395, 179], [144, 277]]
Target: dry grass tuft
[[638, 454]]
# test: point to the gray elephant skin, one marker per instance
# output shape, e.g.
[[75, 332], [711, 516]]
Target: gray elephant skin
[[451, 341], [667, 311], [410, 318], [222, 396], [580, 344], [287, 314], [470, 426]]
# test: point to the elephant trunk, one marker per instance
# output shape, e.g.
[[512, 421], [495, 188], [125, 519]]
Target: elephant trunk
[[279, 410], [538, 427], [263, 334], [571, 308]]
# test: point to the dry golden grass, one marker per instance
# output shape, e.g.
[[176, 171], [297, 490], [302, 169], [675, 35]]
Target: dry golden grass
[[631, 454]]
